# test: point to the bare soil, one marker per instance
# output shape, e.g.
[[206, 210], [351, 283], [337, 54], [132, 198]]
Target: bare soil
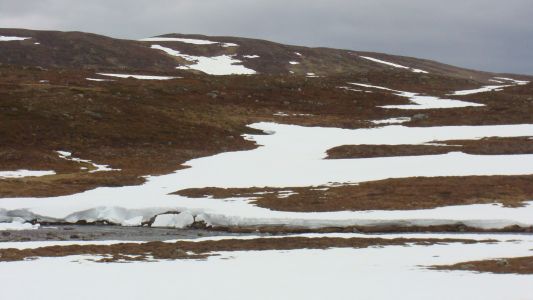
[[388, 194], [515, 265], [198, 250]]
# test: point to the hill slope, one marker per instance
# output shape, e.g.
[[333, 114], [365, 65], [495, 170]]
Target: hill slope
[[54, 49]]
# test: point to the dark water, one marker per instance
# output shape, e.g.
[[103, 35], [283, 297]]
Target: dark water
[[103, 232]]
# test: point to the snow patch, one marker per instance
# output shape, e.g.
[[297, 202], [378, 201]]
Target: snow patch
[[490, 88], [421, 102], [141, 77], [24, 173], [98, 79], [97, 168], [217, 65], [12, 38], [394, 65], [398, 120], [227, 45]]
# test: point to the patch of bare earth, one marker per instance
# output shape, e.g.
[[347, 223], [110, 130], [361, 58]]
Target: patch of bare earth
[[388, 194], [485, 146], [196, 250], [515, 265]]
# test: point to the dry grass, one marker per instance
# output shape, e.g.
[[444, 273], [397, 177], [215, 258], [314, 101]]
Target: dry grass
[[389, 194], [516, 265]]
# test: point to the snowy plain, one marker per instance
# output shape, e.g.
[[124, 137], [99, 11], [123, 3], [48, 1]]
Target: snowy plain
[[368, 273]]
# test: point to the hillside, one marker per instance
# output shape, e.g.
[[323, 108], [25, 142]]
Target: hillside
[[227, 153], [77, 50], [146, 127]]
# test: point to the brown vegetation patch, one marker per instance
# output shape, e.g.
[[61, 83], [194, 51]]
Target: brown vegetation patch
[[388, 194], [195, 250], [485, 146], [515, 265]]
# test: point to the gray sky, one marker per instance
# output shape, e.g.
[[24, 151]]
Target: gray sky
[[492, 35]]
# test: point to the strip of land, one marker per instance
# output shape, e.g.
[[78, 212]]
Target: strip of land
[[485, 146], [515, 265], [203, 249], [388, 194]]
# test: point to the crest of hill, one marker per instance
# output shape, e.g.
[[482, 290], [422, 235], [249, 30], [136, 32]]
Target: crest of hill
[[75, 50]]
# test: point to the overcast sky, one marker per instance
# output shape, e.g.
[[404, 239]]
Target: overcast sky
[[492, 35]]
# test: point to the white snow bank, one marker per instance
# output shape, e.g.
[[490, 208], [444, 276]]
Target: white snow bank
[[97, 168], [421, 102], [187, 41], [216, 65], [18, 224], [181, 220], [294, 63], [490, 88], [293, 156], [251, 56], [12, 38], [368, 273], [98, 79], [24, 173], [141, 77], [394, 65]]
